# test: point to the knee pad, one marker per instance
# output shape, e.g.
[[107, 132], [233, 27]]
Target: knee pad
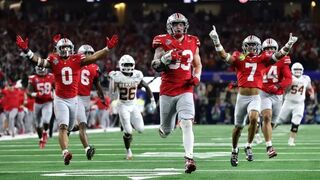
[[294, 128]]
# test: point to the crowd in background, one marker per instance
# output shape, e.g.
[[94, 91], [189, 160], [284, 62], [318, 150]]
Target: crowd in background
[[215, 102]]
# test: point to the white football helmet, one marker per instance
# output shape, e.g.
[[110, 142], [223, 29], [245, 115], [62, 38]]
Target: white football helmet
[[297, 69], [176, 18], [251, 44], [86, 49], [126, 64], [270, 43], [41, 71], [65, 47]]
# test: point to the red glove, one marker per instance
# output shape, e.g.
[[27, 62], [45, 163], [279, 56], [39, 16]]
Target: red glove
[[111, 43], [22, 44], [232, 85], [56, 38], [194, 81]]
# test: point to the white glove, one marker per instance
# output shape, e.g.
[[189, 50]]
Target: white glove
[[291, 41], [214, 36], [167, 57]]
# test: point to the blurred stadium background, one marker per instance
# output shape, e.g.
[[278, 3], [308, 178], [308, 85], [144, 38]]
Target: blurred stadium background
[[137, 22]]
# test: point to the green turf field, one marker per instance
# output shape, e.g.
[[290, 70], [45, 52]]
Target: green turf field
[[163, 158]]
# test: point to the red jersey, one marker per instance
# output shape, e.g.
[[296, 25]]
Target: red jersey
[[22, 99], [250, 69], [173, 80], [11, 98], [42, 85], [87, 75], [66, 73], [278, 73], [30, 104]]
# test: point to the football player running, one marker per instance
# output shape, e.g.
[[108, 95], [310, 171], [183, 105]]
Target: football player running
[[276, 79], [89, 76], [293, 105], [177, 58], [124, 84], [40, 87], [249, 66], [66, 67]]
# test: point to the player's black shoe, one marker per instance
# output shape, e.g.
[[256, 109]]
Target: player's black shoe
[[249, 153], [90, 152]]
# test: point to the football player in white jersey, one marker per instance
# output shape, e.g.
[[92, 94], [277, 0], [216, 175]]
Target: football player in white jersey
[[124, 83], [293, 105]]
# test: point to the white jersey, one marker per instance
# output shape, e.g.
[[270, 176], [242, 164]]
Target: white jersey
[[126, 86], [297, 90]]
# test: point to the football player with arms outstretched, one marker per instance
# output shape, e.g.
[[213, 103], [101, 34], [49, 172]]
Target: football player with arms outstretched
[[66, 67], [40, 87], [124, 84], [276, 79], [249, 66], [89, 76], [177, 58], [293, 105]]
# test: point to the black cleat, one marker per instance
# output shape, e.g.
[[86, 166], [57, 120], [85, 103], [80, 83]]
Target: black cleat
[[234, 159], [249, 153], [91, 152], [190, 165]]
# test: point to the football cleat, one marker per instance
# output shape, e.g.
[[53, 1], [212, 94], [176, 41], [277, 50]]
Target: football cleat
[[190, 165], [249, 153], [271, 152], [90, 152], [129, 155], [162, 134], [257, 139], [42, 144], [234, 159], [67, 156]]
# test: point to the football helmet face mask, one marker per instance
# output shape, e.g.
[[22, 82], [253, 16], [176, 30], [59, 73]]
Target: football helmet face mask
[[86, 50], [174, 27], [270, 44], [126, 64], [251, 45], [297, 69], [41, 71], [65, 47]]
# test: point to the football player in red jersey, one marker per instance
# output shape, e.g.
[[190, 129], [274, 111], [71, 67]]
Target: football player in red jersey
[[66, 67], [40, 87], [89, 76], [177, 56], [276, 79], [249, 66], [11, 96]]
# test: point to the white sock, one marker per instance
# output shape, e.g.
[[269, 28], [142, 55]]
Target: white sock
[[86, 149], [248, 145], [64, 151], [187, 137], [268, 143], [235, 150]]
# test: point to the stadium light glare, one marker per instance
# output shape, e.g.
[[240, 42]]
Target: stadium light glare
[[120, 5], [90, 0], [313, 4], [43, 0]]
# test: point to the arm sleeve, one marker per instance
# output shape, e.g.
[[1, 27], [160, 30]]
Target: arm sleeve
[[287, 77]]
